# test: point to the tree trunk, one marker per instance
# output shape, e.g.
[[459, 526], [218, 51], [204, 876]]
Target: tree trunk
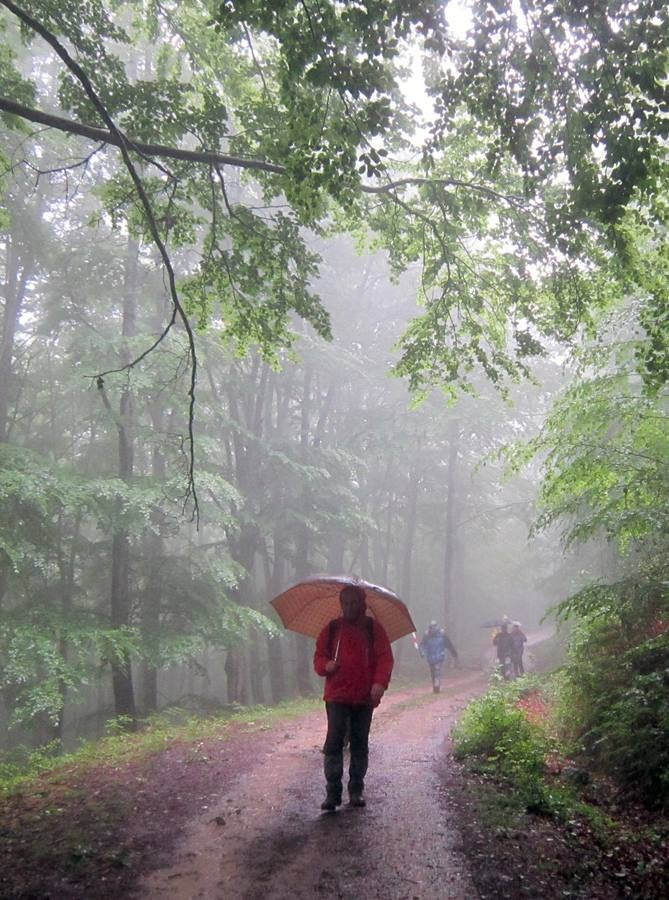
[[151, 605], [304, 652], [16, 279], [243, 550], [277, 677], [336, 548], [303, 647], [124, 698], [386, 548], [66, 568], [246, 404], [451, 524], [409, 537], [407, 552], [256, 671], [233, 675]]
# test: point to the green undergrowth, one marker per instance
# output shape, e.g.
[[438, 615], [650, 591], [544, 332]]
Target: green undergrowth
[[508, 734], [554, 828], [512, 738], [21, 766], [614, 702]]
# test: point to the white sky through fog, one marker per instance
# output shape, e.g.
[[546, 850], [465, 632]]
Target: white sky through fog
[[458, 16]]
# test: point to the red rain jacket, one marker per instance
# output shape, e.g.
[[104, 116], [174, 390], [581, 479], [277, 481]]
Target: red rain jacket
[[362, 662]]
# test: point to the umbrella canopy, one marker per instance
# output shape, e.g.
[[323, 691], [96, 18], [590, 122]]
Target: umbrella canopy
[[308, 606], [497, 623]]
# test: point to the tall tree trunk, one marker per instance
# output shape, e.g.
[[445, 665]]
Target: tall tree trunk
[[256, 670], [451, 523], [16, 279], [386, 547], [151, 603], [277, 678], [66, 567], [243, 550], [247, 408], [336, 548], [303, 646], [359, 563], [124, 697], [407, 551], [409, 537], [148, 701], [303, 651], [233, 674]]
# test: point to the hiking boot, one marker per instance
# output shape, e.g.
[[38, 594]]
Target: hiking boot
[[331, 802], [355, 798]]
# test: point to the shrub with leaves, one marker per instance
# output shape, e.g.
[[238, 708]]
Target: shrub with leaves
[[498, 733], [615, 703], [605, 450]]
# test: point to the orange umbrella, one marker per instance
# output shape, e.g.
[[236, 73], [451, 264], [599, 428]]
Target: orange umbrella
[[308, 606]]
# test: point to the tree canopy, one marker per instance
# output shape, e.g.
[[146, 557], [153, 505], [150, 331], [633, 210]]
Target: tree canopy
[[549, 125]]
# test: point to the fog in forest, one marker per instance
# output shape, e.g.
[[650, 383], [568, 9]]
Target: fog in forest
[[316, 462], [303, 293], [119, 595]]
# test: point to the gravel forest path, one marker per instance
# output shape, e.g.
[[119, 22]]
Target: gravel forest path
[[265, 837]]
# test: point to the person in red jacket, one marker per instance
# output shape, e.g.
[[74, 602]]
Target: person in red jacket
[[353, 653]]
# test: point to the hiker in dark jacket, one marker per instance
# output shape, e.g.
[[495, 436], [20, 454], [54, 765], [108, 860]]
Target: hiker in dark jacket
[[353, 653], [504, 647], [518, 640]]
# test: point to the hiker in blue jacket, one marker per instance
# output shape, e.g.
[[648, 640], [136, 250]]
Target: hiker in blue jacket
[[435, 645]]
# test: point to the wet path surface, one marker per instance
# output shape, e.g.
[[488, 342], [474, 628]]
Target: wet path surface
[[266, 837]]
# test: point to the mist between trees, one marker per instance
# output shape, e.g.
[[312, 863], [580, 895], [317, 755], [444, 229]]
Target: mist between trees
[[317, 466], [199, 401]]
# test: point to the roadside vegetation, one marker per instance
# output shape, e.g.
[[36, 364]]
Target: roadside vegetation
[[549, 811], [587, 748], [21, 768]]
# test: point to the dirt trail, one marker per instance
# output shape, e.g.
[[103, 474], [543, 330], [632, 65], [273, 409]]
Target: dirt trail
[[266, 837]]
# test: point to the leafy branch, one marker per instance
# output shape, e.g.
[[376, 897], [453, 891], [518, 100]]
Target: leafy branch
[[122, 142], [115, 138]]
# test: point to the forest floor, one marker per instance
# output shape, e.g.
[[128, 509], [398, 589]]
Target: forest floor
[[236, 815]]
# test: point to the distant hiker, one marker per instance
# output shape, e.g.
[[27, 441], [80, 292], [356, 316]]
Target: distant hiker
[[353, 653], [518, 640], [434, 646], [504, 646]]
